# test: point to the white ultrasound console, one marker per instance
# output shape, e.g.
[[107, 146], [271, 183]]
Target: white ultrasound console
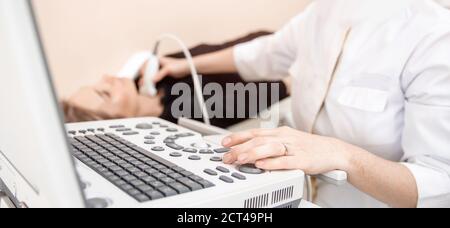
[[149, 162]]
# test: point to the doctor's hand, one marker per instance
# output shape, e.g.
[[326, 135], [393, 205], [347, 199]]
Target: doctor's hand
[[176, 68], [286, 149]]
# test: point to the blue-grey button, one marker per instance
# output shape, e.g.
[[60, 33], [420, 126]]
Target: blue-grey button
[[226, 179], [223, 169], [250, 169], [210, 172], [176, 154], [195, 158], [239, 176]]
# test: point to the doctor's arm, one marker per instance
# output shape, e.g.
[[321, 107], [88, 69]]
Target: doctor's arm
[[265, 58], [288, 149]]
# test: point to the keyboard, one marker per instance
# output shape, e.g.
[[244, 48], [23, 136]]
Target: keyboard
[[136, 171], [149, 162]]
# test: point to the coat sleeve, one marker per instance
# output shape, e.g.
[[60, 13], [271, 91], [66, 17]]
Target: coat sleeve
[[270, 57], [426, 136]]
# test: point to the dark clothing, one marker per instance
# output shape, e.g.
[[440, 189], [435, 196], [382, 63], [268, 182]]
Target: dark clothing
[[221, 79]]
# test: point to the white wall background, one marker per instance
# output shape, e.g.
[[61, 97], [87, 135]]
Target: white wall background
[[85, 39], [445, 3]]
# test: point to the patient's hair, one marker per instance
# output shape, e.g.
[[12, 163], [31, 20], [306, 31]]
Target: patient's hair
[[74, 114]]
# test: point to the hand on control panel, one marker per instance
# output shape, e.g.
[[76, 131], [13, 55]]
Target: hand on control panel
[[285, 149]]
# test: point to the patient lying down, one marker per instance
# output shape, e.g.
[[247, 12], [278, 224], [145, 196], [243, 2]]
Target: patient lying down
[[110, 98], [115, 98]]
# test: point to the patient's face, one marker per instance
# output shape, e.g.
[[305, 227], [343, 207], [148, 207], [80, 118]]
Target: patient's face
[[109, 98]]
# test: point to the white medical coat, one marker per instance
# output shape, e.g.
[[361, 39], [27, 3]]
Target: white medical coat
[[389, 92]]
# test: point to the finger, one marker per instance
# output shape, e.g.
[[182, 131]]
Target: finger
[[244, 148], [242, 137], [280, 163], [161, 75], [164, 60], [270, 150]]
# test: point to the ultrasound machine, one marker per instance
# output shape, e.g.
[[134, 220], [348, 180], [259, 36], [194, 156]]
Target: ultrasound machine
[[138, 163]]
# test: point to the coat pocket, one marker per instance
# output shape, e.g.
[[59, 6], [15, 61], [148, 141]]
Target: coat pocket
[[364, 99]]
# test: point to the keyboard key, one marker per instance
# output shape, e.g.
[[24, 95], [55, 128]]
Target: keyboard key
[[216, 159], [206, 184], [167, 191], [190, 184], [159, 175], [151, 171], [130, 133], [144, 188], [141, 198], [122, 173], [205, 151], [144, 167], [175, 176], [151, 163], [159, 167], [137, 183], [126, 187], [250, 169], [141, 175], [190, 150], [195, 178], [144, 126], [178, 169], [149, 179], [226, 179], [149, 142], [134, 192], [156, 184], [186, 173], [222, 150], [195, 158], [154, 195], [172, 130], [167, 180], [176, 155], [167, 171], [120, 183], [239, 176], [174, 146], [210, 172], [169, 141], [149, 137], [180, 188], [123, 129], [117, 126], [223, 169], [108, 174], [183, 135], [158, 149], [129, 178]]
